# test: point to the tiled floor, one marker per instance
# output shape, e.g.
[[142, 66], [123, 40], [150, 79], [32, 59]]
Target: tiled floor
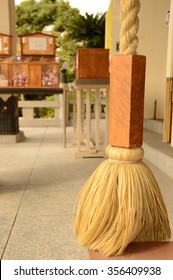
[[39, 182]]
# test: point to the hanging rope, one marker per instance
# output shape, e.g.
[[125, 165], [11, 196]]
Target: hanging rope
[[129, 26], [121, 201]]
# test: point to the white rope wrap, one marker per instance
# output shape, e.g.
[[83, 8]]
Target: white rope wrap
[[129, 26], [125, 154]]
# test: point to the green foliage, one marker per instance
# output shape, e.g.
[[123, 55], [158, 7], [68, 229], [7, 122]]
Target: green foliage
[[64, 13], [45, 112], [81, 31], [88, 29], [33, 16]]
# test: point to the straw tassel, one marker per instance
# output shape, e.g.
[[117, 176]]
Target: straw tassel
[[121, 202]]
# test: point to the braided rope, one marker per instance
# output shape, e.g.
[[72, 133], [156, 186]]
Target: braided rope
[[129, 26]]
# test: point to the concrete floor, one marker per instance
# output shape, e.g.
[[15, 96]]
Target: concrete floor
[[39, 182]]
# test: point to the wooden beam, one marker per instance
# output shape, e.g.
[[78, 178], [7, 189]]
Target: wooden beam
[[126, 109]]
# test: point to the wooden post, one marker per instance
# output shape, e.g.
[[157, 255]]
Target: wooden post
[[169, 82], [126, 108]]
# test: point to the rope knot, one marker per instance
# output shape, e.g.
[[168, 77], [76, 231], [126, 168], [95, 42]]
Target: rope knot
[[128, 155]]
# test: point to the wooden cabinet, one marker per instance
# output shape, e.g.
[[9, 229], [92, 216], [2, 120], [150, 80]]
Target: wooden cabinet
[[28, 72], [36, 67]]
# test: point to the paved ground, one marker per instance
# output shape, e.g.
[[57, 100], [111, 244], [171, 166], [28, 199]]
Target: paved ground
[[39, 182]]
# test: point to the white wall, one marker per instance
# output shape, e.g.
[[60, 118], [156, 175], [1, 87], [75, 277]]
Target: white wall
[[153, 39]]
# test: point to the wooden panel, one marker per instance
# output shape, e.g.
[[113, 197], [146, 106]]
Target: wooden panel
[[168, 111], [34, 75], [92, 63], [5, 44], [127, 79]]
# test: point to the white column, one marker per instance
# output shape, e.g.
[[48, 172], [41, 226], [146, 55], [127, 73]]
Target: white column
[[8, 20]]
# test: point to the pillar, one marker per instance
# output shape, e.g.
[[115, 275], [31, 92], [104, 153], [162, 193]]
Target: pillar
[[8, 21]]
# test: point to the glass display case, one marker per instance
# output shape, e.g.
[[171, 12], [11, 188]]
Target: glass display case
[[43, 73], [19, 72]]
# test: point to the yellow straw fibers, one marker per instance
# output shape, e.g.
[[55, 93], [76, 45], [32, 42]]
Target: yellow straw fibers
[[120, 203]]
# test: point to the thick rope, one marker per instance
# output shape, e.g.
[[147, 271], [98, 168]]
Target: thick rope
[[129, 26]]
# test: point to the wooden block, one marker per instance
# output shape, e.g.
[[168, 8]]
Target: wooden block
[[140, 251], [127, 83], [92, 63], [34, 75]]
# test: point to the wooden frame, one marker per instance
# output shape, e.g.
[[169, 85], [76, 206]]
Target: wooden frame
[[5, 44], [37, 44]]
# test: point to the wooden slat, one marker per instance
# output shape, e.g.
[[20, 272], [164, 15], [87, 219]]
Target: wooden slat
[[168, 111], [88, 119], [97, 120]]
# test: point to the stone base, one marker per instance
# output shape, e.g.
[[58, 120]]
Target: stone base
[[16, 138]]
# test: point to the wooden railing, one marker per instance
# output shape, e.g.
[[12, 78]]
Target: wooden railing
[[88, 130], [85, 111], [28, 116]]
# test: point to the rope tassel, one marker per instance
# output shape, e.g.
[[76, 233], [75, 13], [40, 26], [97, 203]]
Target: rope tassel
[[120, 203]]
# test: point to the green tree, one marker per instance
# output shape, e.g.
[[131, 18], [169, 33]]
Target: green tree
[[64, 14], [33, 16], [88, 29], [81, 31]]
